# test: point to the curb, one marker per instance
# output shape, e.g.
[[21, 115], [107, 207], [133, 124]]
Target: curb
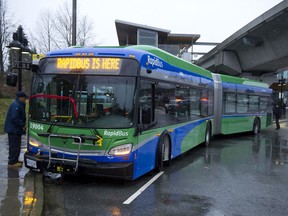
[[34, 197], [38, 194]]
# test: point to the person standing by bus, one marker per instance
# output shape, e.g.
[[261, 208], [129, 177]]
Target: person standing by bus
[[15, 127], [277, 113]]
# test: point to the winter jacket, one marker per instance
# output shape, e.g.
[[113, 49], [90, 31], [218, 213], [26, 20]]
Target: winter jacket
[[15, 118]]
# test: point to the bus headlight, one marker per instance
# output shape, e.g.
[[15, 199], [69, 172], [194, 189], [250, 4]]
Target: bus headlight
[[35, 142], [121, 150]]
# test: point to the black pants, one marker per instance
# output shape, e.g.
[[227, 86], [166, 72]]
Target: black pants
[[277, 123], [14, 141]]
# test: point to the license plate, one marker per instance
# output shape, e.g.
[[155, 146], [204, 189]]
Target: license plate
[[31, 163]]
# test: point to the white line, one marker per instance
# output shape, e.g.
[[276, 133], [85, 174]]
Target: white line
[[137, 193]]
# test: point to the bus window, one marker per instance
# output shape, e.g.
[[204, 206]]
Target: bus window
[[194, 102], [146, 103], [242, 103], [210, 102], [229, 103], [204, 103], [263, 104], [178, 107], [253, 103]]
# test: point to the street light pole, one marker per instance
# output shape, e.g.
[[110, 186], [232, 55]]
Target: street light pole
[[20, 48], [20, 70], [282, 82], [74, 21]]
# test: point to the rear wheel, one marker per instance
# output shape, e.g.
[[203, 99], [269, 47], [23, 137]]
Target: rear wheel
[[163, 153], [208, 135]]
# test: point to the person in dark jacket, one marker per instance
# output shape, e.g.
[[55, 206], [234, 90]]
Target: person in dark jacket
[[15, 126], [277, 114]]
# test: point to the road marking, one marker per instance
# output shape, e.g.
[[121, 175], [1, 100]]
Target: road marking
[[137, 193]]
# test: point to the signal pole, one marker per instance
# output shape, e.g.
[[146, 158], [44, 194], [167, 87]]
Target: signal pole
[[74, 20]]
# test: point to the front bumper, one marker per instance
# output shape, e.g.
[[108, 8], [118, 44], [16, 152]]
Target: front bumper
[[89, 167]]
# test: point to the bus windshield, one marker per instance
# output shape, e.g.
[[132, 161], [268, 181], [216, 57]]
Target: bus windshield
[[85, 101]]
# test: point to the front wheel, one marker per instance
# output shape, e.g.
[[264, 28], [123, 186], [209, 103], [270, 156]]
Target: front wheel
[[163, 153]]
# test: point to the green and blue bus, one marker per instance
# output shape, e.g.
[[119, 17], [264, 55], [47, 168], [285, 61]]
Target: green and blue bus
[[121, 112]]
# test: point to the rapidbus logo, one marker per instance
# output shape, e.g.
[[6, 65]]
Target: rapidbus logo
[[116, 133], [154, 61]]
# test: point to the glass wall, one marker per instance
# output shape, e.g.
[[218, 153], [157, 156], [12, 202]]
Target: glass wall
[[145, 37]]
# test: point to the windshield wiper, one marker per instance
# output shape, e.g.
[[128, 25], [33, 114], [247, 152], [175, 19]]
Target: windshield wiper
[[52, 125], [75, 113]]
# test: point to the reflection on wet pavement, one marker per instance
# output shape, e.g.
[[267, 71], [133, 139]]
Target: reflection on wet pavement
[[236, 174], [16, 187], [263, 151], [11, 202]]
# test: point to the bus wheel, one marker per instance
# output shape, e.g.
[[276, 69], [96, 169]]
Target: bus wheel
[[208, 135], [163, 153], [256, 126]]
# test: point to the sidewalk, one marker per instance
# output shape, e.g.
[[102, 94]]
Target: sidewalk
[[21, 191]]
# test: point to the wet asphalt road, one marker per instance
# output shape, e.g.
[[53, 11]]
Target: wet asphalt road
[[237, 175]]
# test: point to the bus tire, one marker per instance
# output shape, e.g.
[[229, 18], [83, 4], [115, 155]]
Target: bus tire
[[163, 155], [256, 126], [208, 135]]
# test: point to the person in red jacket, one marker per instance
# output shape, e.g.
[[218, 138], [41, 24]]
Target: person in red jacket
[[15, 127]]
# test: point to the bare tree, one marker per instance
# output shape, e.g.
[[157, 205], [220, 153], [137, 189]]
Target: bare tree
[[44, 36], [54, 31], [63, 24], [84, 31], [6, 27]]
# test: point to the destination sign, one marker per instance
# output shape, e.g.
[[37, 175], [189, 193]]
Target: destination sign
[[91, 63]]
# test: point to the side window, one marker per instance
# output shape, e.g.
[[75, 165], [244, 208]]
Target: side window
[[163, 93], [229, 103], [253, 103], [201, 102], [194, 102], [263, 104], [242, 103], [182, 103], [204, 103], [210, 102], [178, 106], [172, 104], [146, 112]]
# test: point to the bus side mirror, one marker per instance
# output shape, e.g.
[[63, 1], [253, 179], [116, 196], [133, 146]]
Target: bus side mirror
[[34, 68], [11, 79]]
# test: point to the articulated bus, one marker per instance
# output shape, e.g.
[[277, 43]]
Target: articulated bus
[[122, 112]]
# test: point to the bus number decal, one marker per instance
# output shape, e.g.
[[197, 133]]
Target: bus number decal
[[36, 126]]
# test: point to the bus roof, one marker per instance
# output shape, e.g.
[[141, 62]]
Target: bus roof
[[244, 81], [173, 60], [140, 50]]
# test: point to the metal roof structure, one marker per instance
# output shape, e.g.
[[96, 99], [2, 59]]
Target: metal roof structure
[[259, 47]]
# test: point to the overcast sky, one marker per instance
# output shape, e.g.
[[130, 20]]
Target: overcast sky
[[214, 20]]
